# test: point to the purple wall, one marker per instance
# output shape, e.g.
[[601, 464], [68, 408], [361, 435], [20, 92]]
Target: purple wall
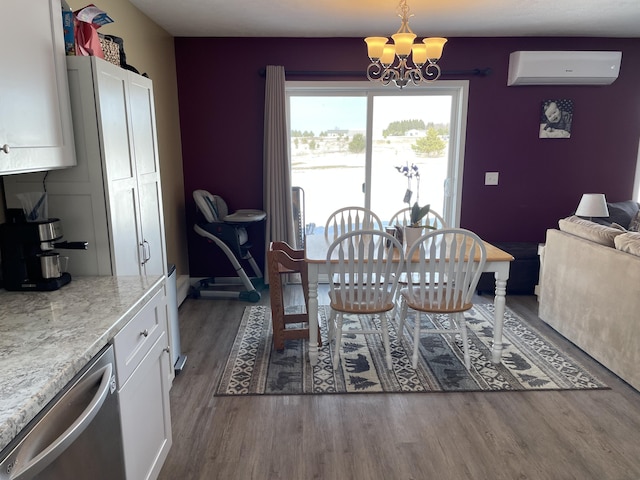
[[221, 98]]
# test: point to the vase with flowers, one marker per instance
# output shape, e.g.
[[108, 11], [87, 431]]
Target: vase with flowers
[[415, 228]]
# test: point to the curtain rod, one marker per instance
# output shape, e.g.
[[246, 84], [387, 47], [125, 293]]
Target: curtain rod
[[475, 72]]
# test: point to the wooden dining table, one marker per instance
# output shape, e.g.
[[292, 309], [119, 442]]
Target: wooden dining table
[[317, 246]]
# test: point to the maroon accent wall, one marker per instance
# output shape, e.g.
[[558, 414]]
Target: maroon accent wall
[[221, 97]]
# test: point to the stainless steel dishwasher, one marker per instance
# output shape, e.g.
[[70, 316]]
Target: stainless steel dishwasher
[[77, 435]]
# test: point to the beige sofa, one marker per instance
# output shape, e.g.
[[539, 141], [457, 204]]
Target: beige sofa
[[590, 292]]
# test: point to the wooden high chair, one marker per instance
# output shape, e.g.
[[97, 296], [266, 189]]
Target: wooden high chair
[[283, 260]]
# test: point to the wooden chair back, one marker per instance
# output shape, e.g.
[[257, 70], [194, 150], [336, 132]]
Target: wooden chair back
[[282, 260]]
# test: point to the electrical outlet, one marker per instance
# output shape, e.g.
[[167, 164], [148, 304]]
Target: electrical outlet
[[491, 178]]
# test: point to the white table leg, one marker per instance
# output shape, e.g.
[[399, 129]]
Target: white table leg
[[499, 302], [313, 313]]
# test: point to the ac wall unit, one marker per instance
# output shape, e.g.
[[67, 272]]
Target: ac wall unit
[[563, 68]]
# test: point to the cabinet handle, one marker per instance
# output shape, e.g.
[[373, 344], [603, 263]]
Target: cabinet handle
[[166, 350], [5, 148], [145, 333], [146, 252], [142, 254]]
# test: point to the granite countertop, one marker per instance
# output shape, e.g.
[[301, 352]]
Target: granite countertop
[[47, 337]]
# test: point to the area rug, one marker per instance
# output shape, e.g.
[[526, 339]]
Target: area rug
[[529, 360]]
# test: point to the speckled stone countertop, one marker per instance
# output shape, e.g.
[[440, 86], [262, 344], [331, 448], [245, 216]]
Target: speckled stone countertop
[[47, 337]]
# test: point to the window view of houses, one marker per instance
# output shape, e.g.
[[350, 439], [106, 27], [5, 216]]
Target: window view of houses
[[407, 163]]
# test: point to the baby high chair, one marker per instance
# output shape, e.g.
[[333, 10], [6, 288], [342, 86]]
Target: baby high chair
[[228, 231]]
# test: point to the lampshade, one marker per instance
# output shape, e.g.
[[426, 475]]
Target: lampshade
[[403, 43], [388, 54], [375, 46], [434, 47], [593, 205], [419, 53]]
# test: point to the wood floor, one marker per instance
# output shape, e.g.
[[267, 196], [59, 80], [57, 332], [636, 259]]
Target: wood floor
[[582, 435]]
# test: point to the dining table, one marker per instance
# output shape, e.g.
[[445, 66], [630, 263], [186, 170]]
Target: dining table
[[316, 248]]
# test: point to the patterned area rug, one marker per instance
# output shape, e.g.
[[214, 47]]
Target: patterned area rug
[[529, 360]]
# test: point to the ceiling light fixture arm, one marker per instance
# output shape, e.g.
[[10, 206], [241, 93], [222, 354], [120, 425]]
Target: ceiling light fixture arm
[[402, 73]]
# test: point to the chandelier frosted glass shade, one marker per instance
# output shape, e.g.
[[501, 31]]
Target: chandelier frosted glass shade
[[404, 61]]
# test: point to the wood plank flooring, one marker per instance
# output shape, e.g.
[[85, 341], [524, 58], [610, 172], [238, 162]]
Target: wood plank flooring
[[582, 435]]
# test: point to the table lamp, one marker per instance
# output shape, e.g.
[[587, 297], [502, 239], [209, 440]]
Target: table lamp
[[592, 205]]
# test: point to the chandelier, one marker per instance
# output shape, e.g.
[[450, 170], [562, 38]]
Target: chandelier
[[415, 62]]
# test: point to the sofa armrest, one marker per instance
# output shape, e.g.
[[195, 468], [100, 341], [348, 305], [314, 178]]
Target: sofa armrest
[[588, 293]]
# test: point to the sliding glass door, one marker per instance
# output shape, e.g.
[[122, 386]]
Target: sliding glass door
[[328, 158], [359, 144]]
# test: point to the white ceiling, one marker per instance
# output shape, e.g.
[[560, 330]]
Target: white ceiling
[[361, 18]]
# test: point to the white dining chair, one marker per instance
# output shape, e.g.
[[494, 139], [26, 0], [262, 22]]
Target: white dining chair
[[432, 219], [449, 263], [349, 219], [353, 260]]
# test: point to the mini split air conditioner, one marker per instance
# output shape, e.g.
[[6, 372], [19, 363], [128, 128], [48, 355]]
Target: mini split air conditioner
[[563, 68]]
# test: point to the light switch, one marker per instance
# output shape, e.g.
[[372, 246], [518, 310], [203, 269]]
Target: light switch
[[491, 178]]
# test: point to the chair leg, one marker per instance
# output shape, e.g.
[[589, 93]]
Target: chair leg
[[465, 341], [396, 299], [403, 315], [385, 339], [338, 341], [416, 339], [278, 341], [331, 327]]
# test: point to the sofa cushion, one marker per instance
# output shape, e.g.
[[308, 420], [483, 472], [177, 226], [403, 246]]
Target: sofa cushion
[[618, 227], [620, 212], [588, 230], [628, 242], [634, 226]]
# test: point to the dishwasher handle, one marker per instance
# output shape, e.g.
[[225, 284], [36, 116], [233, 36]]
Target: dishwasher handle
[[60, 444]]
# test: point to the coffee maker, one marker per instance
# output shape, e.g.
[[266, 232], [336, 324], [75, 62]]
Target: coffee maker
[[28, 259]]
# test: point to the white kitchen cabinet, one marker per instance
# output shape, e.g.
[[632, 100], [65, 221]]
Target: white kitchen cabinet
[[112, 199], [35, 114], [143, 365]]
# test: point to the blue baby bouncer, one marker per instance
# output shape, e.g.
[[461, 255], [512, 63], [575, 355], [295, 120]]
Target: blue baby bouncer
[[229, 232]]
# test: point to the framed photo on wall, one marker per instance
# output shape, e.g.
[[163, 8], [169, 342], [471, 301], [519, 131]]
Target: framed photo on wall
[[556, 118]]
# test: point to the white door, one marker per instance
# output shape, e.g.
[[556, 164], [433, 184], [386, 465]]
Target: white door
[[143, 125], [119, 163]]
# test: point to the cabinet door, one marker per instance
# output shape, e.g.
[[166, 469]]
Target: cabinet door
[[112, 99], [143, 127], [35, 113], [145, 415]]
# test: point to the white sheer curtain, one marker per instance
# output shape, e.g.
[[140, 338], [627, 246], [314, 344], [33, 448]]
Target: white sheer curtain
[[277, 174]]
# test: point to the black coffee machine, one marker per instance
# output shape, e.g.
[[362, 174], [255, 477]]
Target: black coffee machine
[[27, 256]]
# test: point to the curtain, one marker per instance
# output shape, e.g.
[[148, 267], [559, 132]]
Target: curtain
[[276, 171]]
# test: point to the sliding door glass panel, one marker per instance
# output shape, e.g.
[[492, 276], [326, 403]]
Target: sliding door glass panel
[[410, 152], [328, 154]]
